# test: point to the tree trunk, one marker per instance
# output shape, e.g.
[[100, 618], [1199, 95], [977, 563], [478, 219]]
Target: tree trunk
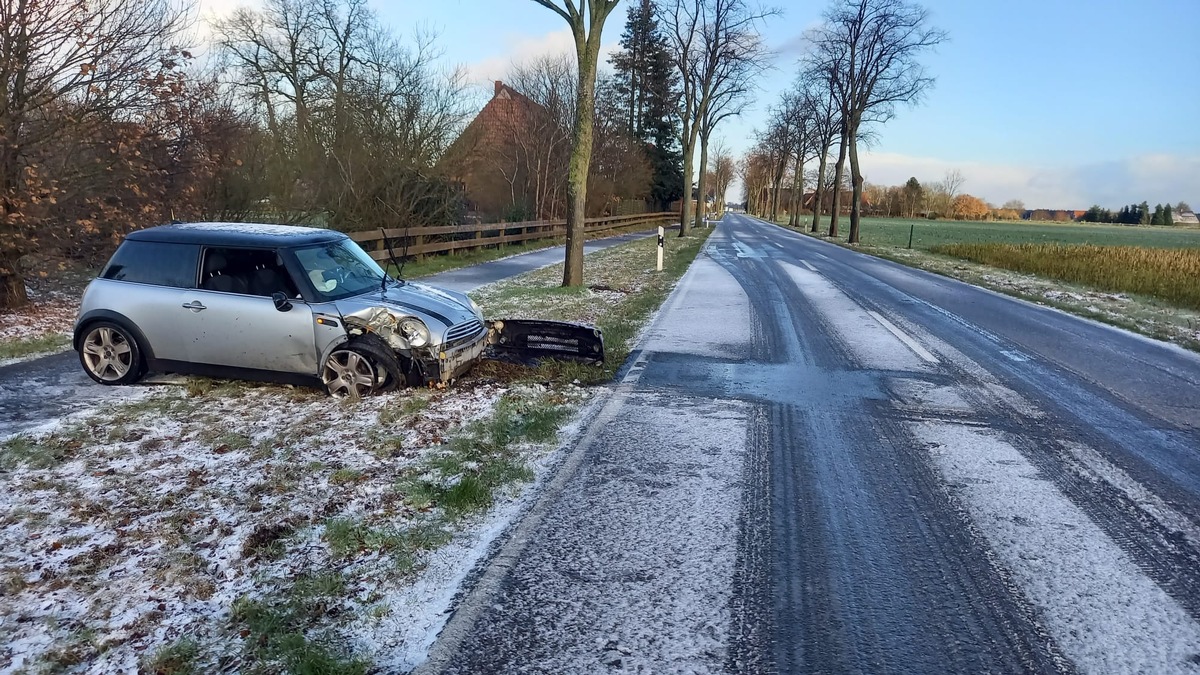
[[12, 285], [797, 191], [702, 185], [685, 209], [819, 189], [857, 181], [837, 187], [12, 243], [577, 175]]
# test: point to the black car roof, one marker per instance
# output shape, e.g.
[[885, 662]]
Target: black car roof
[[235, 234]]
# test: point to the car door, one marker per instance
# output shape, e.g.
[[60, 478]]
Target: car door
[[232, 327], [148, 283]]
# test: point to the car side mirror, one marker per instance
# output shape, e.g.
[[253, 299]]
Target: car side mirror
[[281, 301]]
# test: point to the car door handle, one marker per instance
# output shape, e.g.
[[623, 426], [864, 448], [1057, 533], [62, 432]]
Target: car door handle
[[195, 306]]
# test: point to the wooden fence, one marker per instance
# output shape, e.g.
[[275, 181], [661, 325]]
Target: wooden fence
[[450, 238]]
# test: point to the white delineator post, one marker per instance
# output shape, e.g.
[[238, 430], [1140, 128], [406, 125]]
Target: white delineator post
[[661, 241]]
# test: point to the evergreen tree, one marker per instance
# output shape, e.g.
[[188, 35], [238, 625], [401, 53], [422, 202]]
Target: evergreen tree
[[1143, 214], [1168, 217], [1123, 217], [647, 96], [1157, 217]]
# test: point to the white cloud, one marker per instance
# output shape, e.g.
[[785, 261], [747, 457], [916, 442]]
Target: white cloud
[[1153, 178], [518, 49]]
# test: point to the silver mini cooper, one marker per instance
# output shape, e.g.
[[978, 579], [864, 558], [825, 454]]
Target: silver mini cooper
[[270, 302]]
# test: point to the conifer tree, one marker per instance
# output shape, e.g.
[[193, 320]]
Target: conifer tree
[[648, 98]]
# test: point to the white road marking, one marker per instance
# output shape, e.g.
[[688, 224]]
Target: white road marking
[[777, 245], [1014, 356], [808, 265], [904, 337]]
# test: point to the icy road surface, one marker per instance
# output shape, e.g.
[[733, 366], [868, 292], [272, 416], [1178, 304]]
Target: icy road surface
[[825, 462]]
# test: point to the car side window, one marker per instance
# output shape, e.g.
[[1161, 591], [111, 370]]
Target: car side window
[[247, 271], [151, 262]]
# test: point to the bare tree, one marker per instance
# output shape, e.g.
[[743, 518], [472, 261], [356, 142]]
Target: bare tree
[[716, 49], [587, 23], [737, 72], [723, 172], [868, 49], [826, 122], [358, 118], [755, 171], [68, 70], [540, 138]]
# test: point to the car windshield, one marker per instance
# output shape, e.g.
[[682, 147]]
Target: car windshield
[[339, 269]]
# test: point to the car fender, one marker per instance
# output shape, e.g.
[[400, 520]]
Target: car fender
[[96, 315]]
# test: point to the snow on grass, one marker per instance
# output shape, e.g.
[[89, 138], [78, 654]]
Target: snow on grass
[[230, 526], [41, 327], [146, 522]]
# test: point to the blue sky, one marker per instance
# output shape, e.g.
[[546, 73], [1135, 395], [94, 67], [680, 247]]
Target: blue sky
[[1060, 103]]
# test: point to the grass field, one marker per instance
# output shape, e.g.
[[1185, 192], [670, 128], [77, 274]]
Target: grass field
[[893, 233], [1167, 274]]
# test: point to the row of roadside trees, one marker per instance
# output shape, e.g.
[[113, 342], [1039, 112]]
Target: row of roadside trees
[[863, 64], [715, 55]]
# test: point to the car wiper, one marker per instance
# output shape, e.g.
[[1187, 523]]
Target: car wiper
[[392, 259]]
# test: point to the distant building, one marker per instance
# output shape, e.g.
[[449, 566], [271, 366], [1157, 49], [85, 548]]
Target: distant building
[[1185, 218], [493, 156]]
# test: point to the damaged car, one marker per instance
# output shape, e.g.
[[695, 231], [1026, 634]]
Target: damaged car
[[270, 302]]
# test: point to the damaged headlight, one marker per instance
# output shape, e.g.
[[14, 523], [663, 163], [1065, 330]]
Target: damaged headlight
[[415, 332]]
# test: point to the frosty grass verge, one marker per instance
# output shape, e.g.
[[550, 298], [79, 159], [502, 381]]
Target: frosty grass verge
[[41, 327], [236, 525], [1140, 314]]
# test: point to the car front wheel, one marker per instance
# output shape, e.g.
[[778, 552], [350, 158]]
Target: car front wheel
[[110, 355], [346, 371]]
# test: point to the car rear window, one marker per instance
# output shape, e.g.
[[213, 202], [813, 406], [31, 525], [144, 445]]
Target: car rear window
[[152, 262]]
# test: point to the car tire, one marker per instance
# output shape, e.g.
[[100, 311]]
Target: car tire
[[360, 354], [110, 354]]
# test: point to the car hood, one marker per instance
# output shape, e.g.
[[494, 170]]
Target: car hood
[[439, 309]]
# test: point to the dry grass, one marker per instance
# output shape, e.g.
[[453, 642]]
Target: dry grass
[[1166, 274]]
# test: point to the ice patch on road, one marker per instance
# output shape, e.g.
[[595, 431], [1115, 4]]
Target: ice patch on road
[[1104, 613], [873, 345], [708, 315]]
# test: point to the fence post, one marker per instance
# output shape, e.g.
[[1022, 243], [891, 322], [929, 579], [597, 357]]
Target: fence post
[[911, 229]]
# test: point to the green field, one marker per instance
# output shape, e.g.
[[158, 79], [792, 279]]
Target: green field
[[893, 233]]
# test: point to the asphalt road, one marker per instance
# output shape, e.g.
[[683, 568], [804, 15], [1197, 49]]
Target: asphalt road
[[39, 391], [825, 462]]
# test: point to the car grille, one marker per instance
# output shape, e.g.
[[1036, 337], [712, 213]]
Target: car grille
[[464, 331]]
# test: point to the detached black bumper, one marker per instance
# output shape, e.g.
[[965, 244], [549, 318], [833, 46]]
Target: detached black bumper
[[531, 340]]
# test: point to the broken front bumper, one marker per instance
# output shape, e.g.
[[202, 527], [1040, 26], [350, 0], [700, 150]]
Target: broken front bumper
[[445, 365], [530, 340]]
